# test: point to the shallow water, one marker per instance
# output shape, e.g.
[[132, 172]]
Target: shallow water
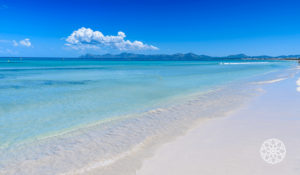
[[72, 115]]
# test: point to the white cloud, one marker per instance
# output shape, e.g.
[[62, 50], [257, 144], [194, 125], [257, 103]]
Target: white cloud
[[88, 39], [25, 42], [15, 43]]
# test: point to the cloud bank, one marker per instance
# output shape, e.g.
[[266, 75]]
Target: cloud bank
[[25, 42], [88, 39]]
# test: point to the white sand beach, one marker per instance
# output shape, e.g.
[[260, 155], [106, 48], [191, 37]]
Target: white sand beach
[[232, 145]]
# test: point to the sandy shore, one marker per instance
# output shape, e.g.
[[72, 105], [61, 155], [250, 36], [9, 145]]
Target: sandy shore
[[232, 145]]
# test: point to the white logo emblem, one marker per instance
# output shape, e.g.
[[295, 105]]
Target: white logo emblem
[[273, 151]]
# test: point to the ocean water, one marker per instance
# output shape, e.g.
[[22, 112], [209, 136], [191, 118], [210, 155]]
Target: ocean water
[[74, 116]]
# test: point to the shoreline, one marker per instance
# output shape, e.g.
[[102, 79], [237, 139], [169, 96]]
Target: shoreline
[[184, 117], [122, 148], [231, 145], [170, 122]]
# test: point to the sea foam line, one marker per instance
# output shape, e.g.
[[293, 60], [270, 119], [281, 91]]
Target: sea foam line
[[298, 83], [246, 63], [271, 81], [107, 162]]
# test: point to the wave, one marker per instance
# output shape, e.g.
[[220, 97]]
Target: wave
[[107, 162], [298, 67], [298, 83], [246, 63], [271, 81], [118, 146], [107, 148]]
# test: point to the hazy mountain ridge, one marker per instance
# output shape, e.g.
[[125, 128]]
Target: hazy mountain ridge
[[178, 56]]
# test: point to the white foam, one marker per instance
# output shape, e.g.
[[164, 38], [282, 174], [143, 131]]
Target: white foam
[[104, 163], [246, 63], [101, 147], [105, 147], [271, 81], [298, 83], [294, 68]]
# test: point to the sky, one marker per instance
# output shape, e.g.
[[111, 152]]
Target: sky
[[57, 28]]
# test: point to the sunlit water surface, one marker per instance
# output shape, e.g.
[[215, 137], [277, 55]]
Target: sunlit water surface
[[60, 116]]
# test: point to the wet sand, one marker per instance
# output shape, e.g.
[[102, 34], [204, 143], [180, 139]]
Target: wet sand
[[232, 145]]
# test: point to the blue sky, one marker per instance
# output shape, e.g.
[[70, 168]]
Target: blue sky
[[213, 27]]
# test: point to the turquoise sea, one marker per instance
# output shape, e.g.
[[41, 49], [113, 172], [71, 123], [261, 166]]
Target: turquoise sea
[[61, 115]]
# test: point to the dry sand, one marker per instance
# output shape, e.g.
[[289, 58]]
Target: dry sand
[[232, 145]]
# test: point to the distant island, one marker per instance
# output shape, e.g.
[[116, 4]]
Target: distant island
[[183, 57]]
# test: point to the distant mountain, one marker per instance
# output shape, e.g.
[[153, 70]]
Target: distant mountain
[[177, 57], [289, 56], [125, 55], [246, 56], [238, 56]]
